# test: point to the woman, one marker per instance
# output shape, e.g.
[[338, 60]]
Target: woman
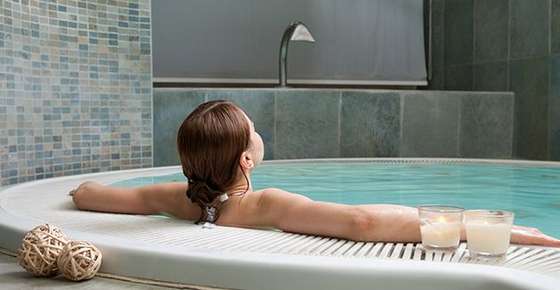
[[219, 148]]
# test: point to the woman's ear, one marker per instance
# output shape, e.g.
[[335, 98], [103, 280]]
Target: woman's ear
[[246, 161]]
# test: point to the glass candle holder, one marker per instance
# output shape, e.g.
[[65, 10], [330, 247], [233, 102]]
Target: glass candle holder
[[440, 226], [488, 232]]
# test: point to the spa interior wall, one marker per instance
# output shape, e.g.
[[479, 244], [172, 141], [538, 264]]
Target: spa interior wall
[[334, 123], [75, 87], [505, 45], [76, 93]]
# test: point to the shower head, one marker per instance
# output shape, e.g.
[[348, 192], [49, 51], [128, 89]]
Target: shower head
[[299, 32], [296, 31]]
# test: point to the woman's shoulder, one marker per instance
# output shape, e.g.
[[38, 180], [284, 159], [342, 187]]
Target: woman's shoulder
[[246, 210], [257, 197], [273, 193], [268, 196], [272, 190], [261, 207]]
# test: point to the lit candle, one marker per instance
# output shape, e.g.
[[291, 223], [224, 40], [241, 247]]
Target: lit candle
[[440, 226], [488, 232], [441, 234]]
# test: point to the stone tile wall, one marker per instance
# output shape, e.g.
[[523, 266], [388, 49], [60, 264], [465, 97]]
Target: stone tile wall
[[75, 87], [326, 123], [504, 45]]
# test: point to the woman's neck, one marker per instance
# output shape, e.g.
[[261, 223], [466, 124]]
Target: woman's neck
[[241, 186]]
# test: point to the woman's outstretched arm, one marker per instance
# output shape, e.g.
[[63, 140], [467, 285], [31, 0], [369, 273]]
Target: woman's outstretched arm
[[150, 199], [296, 213], [388, 223]]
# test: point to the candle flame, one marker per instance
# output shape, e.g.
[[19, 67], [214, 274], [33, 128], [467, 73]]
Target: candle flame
[[441, 219]]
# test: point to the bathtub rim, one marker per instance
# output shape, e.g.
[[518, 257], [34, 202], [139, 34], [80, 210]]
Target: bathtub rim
[[304, 268]]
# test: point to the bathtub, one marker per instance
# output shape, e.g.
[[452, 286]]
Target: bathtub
[[174, 251]]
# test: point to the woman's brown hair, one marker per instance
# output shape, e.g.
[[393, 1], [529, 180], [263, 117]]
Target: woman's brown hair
[[210, 143]]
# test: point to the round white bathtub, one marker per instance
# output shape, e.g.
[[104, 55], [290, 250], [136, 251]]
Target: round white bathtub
[[177, 251]]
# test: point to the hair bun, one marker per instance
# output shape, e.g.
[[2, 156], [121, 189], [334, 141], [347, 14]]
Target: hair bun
[[199, 192]]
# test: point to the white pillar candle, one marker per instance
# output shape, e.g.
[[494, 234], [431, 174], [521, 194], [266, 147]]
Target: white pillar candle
[[488, 238], [441, 234], [440, 226]]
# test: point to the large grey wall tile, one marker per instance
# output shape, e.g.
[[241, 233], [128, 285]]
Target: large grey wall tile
[[430, 125], [370, 124], [554, 128], [555, 26], [259, 106], [307, 124], [437, 82], [555, 75], [171, 107], [438, 49], [458, 32], [529, 28], [459, 77], [491, 76], [529, 81], [486, 129], [554, 109], [490, 30]]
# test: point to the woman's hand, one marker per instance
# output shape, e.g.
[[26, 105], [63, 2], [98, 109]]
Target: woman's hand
[[532, 236]]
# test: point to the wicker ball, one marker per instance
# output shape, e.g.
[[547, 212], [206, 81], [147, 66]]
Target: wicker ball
[[40, 249], [79, 260]]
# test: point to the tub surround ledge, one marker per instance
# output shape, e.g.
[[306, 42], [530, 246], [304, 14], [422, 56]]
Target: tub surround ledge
[[332, 123]]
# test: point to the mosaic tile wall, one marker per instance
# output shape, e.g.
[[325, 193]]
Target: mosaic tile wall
[[75, 87]]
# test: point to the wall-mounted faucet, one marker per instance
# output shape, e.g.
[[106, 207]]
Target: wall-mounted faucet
[[297, 31]]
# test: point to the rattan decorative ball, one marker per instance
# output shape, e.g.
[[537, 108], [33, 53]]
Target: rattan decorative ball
[[40, 249], [79, 260]]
